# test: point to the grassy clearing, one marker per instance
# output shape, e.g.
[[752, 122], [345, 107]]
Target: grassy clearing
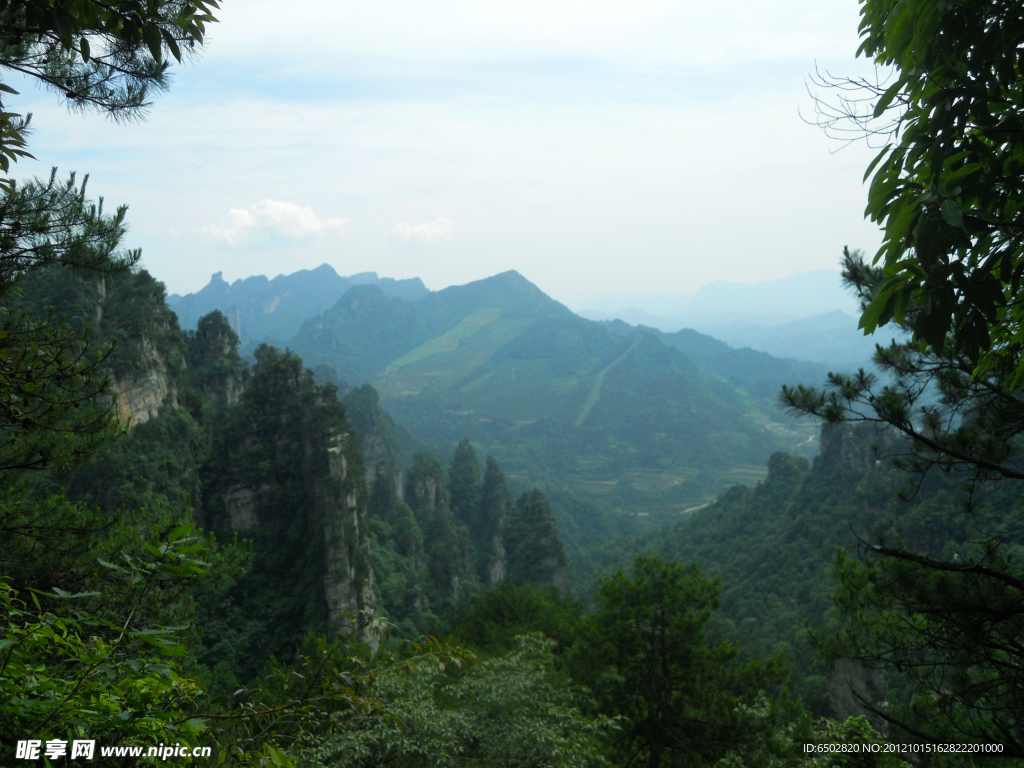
[[449, 341]]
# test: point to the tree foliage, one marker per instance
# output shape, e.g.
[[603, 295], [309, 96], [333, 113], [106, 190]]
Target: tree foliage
[[105, 56], [948, 620], [511, 710], [947, 186], [652, 662]]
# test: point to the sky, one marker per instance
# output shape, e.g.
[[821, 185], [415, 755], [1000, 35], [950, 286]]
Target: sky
[[600, 148]]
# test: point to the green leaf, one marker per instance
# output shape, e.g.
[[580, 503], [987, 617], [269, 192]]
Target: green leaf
[[952, 214], [960, 173], [68, 595], [887, 97], [172, 44], [180, 531], [876, 161], [151, 35]]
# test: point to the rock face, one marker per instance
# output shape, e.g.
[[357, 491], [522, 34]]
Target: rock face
[[348, 577], [853, 687], [240, 503], [495, 506], [141, 393], [534, 551], [497, 569], [213, 360], [377, 433], [859, 447], [425, 491]]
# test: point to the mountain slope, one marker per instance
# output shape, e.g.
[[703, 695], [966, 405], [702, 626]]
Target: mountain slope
[[621, 417], [831, 339], [757, 373], [774, 545]]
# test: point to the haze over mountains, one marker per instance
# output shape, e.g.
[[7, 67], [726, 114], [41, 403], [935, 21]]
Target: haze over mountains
[[807, 316]]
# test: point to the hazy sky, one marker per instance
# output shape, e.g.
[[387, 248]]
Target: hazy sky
[[600, 148]]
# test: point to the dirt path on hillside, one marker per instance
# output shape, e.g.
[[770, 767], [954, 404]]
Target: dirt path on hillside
[[595, 392]]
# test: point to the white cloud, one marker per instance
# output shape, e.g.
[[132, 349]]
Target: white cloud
[[436, 231], [274, 216]]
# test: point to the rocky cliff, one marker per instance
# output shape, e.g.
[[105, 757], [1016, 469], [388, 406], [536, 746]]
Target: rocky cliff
[[143, 392], [125, 317], [286, 471], [340, 503], [215, 366]]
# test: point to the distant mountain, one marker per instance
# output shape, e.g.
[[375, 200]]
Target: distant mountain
[[260, 309], [804, 294], [832, 339], [807, 316], [758, 373], [618, 414]]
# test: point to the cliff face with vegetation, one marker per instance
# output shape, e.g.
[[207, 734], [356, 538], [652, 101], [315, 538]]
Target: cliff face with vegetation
[[286, 469], [263, 453], [342, 514], [127, 317], [140, 396]]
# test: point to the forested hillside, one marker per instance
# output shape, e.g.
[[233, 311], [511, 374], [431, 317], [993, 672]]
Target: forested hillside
[[604, 416], [607, 417], [268, 453], [774, 545]]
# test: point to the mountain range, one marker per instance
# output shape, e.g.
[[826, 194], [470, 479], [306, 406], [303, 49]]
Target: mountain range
[[807, 316], [260, 309], [627, 420], [801, 295]]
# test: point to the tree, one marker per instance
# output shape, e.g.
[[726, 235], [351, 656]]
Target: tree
[[949, 622], [535, 553], [104, 56], [490, 620], [947, 189], [510, 711], [91, 665], [645, 652], [464, 486], [947, 185]]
